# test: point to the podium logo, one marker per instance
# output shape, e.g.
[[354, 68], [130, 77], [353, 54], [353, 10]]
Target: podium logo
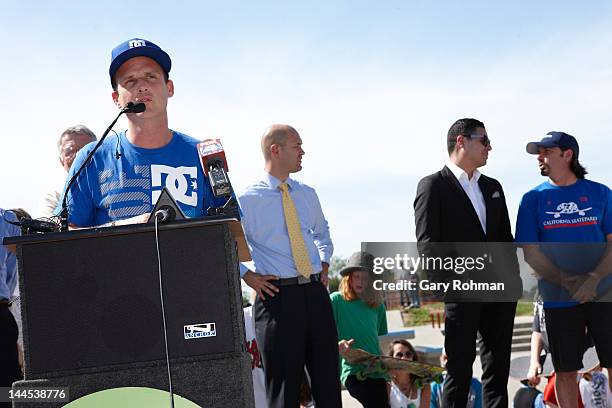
[[196, 331]]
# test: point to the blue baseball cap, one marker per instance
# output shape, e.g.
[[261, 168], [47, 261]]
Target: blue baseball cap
[[137, 47], [555, 139]]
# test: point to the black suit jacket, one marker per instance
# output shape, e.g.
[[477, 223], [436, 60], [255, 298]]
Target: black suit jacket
[[444, 214]]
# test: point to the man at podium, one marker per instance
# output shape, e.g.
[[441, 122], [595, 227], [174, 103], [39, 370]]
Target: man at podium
[[128, 172], [291, 247]]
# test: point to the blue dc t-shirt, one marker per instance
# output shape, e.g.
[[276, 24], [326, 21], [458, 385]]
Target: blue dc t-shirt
[[572, 216], [113, 188]]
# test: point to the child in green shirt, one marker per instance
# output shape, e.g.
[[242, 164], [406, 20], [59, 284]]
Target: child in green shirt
[[360, 318]]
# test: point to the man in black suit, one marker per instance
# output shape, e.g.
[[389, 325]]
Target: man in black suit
[[458, 205]]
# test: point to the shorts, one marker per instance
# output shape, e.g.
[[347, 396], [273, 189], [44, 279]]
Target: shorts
[[566, 327]]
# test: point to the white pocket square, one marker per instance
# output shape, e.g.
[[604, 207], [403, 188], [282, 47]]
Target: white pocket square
[[495, 194]]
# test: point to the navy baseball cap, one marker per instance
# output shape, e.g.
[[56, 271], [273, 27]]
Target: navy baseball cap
[[137, 47], [555, 139]]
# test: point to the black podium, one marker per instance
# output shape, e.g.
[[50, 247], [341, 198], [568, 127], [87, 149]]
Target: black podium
[[92, 316]]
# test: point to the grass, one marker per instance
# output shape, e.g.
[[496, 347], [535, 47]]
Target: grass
[[421, 316], [524, 308]]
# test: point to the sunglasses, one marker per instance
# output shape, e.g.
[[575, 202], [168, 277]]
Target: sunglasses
[[68, 151], [402, 355], [484, 139]]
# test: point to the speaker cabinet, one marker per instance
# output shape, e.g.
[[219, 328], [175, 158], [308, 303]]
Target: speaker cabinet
[[92, 316]]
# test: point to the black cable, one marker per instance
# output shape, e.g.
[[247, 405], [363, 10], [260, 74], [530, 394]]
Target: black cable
[[29, 225], [130, 107], [117, 153], [161, 298], [16, 223], [57, 218]]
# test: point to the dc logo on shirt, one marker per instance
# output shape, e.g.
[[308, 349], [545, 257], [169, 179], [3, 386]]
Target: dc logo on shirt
[[181, 182], [568, 208]]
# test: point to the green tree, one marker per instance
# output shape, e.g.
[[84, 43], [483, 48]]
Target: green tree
[[334, 283], [337, 263]]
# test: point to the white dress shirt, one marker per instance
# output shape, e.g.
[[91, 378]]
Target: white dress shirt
[[472, 189]]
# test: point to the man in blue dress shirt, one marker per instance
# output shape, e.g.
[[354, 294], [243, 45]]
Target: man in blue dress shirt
[[9, 361], [291, 248]]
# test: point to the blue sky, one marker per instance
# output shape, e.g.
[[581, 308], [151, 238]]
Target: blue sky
[[372, 88]]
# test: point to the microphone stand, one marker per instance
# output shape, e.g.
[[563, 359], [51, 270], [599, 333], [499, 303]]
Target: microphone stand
[[129, 108], [229, 208]]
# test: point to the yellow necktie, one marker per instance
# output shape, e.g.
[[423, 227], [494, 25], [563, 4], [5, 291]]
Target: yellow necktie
[[298, 248]]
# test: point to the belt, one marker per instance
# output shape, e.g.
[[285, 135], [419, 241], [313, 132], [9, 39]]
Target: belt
[[5, 303], [299, 280]]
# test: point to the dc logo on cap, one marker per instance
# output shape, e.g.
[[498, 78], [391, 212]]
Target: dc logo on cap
[[137, 43]]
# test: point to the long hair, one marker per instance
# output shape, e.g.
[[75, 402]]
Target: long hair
[[369, 296], [575, 166], [415, 356]]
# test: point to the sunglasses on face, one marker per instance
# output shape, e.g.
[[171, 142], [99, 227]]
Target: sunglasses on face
[[68, 151], [484, 139], [402, 355]]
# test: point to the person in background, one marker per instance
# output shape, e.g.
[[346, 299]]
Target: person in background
[[15, 307], [70, 142], [10, 371], [415, 298], [474, 399], [595, 389], [404, 389], [360, 318], [259, 381], [291, 247]]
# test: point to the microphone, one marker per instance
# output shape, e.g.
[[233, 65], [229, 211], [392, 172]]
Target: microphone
[[131, 107], [39, 225], [33, 226], [215, 168], [166, 213]]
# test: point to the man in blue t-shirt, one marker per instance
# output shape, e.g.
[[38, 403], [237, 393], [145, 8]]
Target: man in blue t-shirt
[[571, 220], [128, 172]]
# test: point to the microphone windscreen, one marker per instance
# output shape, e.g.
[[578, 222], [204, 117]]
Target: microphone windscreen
[[211, 153], [132, 107], [139, 107]]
